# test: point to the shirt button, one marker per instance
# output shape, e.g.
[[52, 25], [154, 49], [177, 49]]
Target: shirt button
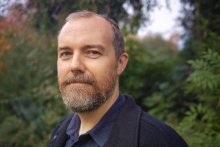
[[54, 137]]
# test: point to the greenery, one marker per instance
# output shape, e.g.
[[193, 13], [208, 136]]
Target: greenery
[[180, 87]]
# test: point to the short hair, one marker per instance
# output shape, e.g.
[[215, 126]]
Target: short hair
[[118, 38]]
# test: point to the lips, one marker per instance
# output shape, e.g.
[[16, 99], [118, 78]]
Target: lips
[[69, 82], [79, 83]]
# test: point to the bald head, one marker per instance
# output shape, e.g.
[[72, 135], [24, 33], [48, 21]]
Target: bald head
[[117, 36]]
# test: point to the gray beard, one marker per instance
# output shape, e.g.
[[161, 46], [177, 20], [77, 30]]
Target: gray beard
[[80, 100], [88, 96]]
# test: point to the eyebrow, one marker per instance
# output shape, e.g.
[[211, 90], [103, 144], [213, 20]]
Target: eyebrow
[[89, 46], [63, 48], [98, 46]]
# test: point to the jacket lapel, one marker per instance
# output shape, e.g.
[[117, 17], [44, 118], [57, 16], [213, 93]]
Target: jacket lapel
[[125, 131], [59, 137]]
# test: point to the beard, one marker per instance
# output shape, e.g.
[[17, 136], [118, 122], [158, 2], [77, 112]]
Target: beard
[[83, 93]]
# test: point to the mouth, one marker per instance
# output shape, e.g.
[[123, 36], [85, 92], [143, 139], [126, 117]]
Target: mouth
[[79, 83]]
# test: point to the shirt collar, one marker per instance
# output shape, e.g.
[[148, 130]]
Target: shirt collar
[[73, 127]]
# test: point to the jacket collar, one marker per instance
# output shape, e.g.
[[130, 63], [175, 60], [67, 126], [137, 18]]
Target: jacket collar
[[125, 130], [59, 137]]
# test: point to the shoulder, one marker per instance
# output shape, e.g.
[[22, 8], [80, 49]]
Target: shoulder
[[155, 133]]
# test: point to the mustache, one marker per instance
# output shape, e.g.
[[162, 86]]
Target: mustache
[[79, 78]]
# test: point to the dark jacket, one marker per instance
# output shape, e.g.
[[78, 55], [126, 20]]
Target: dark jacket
[[133, 128]]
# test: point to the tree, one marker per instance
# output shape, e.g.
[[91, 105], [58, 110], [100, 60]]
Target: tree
[[46, 15], [201, 21], [28, 90], [151, 64], [201, 126]]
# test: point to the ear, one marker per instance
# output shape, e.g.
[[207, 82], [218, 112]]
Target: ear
[[122, 63]]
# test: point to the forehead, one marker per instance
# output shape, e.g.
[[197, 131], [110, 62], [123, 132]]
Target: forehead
[[93, 26]]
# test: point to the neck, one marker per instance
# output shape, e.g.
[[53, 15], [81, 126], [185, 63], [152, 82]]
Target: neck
[[90, 119]]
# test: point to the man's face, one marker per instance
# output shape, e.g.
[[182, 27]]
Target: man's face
[[87, 65]]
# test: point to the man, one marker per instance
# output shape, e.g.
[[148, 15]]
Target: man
[[90, 60]]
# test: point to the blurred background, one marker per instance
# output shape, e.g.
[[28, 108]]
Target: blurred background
[[173, 71]]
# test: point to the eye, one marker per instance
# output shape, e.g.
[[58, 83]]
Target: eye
[[65, 54], [93, 53]]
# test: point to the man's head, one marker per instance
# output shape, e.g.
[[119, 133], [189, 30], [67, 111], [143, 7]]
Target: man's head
[[90, 59], [118, 38]]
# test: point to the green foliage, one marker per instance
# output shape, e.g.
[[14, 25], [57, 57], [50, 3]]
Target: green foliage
[[152, 76], [201, 20], [201, 126], [205, 77], [29, 94], [48, 13], [16, 132], [148, 68]]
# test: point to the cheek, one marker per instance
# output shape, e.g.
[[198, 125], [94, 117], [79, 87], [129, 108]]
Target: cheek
[[62, 70], [103, 71]]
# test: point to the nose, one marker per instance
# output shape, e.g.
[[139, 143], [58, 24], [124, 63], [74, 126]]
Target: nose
[[77, 63]]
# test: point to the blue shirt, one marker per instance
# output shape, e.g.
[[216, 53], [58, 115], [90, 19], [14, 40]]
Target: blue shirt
[[99, 134]]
